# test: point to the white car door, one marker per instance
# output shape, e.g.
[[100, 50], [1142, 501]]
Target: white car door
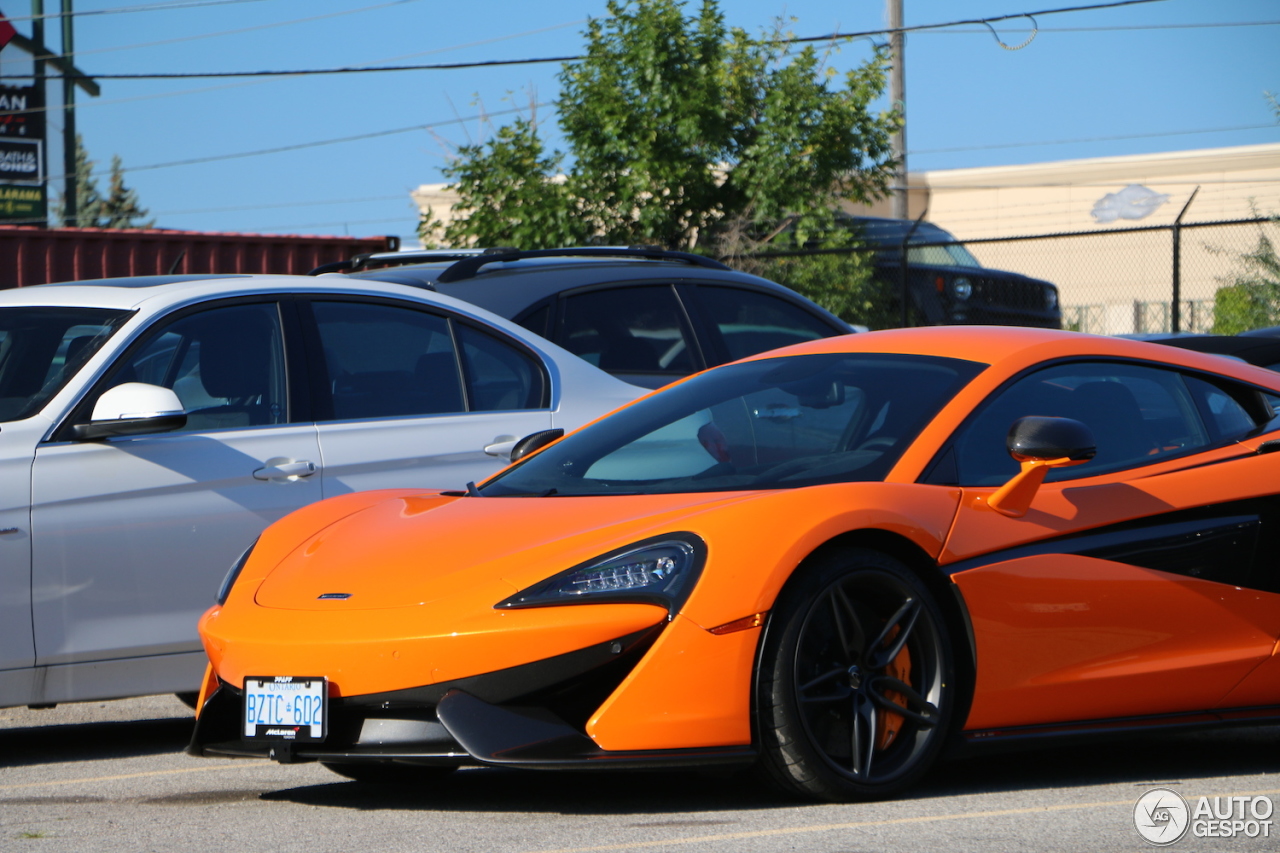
[[41, 348], [131, 535], [411, 398], [17, 648]]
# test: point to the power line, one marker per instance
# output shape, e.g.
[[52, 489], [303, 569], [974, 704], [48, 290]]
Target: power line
[[284, 204], [494, 63], [1272, 126], [1113, 29], [315, 144], [239, 31], [55, 109], [150, 7], [310, 72], [399, 130], [345, 222], [949, 24], [394, 131]]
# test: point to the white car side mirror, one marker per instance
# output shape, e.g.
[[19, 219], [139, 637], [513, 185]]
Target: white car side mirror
[[133, 408]]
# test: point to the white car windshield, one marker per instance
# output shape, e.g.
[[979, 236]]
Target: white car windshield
[[42, 347]]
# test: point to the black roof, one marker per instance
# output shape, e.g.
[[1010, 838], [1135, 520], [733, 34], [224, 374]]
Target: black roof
[[507, 285]]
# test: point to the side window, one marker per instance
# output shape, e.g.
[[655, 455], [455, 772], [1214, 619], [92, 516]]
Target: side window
[[499, 376], [536, 320], [628, 330], [1137, 414], [750, 322], [1227, 419], [226, 365], [385, 361]]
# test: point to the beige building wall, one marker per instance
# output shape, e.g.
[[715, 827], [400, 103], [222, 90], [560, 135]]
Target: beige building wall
[[438, 202], [1102, 277]]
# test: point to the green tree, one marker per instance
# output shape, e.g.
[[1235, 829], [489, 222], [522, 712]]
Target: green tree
[[118, 209], [684, 133], [1250, 299]]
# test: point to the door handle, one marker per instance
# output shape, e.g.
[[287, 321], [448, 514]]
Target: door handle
[[285, 470], [501, 445]]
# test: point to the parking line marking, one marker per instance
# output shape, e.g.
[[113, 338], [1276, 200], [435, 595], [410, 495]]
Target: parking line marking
[[236, 766], [830, 827]]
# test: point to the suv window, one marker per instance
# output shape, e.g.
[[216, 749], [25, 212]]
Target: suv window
[[628, 330], [750, 322], [226, 365], [1138, 415], [387, 361]]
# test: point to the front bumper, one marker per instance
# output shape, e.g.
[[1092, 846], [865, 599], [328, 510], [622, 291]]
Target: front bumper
[[533, 715]]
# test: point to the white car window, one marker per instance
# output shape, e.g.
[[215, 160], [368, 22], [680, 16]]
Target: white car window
[[499, 376], [386, 361], [226, 365]]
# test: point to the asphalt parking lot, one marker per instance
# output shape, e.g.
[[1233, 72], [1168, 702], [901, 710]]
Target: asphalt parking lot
[[113, 776]]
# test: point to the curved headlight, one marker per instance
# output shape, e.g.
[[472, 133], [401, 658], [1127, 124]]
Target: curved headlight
[[234, 572], [962, 288], [661, 571], [1051, 297]]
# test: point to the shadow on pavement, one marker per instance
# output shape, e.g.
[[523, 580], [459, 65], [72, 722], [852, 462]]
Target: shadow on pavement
[[55, 744], [1138, 760], [579, 793]]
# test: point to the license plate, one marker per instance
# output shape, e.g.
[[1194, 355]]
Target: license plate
[[286, 707]]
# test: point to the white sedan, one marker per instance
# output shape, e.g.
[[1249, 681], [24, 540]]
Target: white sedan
[[151, 427]]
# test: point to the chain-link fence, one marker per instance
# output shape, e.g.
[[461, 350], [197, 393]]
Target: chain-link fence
[[1118, 281], [1128, 280]]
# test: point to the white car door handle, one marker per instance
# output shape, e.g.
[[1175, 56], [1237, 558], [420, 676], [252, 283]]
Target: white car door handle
[[285, 470], [501, 445]]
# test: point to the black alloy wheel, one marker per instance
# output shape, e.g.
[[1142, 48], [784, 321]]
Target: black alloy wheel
[[857, 679]]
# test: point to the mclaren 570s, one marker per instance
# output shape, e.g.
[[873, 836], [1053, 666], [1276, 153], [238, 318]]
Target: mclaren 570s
[[836, 561]]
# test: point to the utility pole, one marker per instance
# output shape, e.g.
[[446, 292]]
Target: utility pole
[[37, 62], [898, 99], [70, 214]]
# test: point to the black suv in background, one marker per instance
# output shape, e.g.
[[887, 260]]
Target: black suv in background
[[647, 316], [945, 283]]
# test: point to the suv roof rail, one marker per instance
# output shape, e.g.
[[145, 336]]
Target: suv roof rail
[[469, 267], [372, 260]]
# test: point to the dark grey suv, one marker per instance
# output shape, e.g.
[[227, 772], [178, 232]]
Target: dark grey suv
[[647, 316], [945, 283]]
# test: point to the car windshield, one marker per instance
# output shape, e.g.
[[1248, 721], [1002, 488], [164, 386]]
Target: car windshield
[[950, 255], [929, 246], [42, 347], [770, 424]]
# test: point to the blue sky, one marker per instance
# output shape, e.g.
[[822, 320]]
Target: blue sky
[[1138, 79]]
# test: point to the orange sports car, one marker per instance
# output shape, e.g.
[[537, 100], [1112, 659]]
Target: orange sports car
[[835, 560]]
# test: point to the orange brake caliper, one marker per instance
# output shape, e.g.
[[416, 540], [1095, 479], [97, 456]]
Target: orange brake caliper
[[890, 722]]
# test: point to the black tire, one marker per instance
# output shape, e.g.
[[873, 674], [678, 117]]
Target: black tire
[[391, 773], [857, 680]]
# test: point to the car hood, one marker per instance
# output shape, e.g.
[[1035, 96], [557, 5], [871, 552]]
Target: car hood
[[411, 551]]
